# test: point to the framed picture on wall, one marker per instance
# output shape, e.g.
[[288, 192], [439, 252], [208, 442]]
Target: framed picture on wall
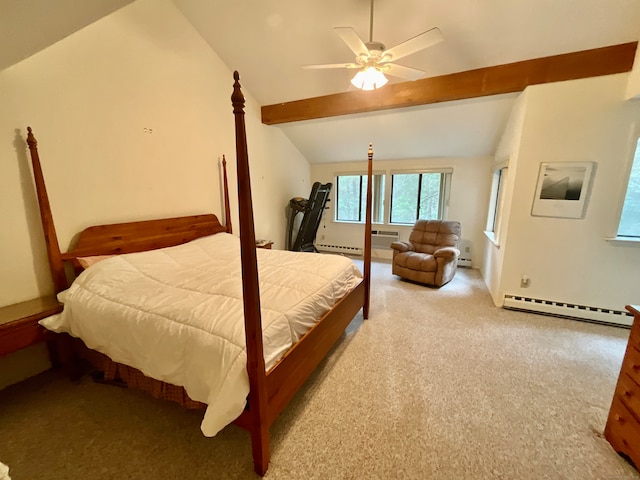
[[563, 189]]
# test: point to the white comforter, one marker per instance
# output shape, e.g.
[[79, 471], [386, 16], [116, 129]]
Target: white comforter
[[176, 314]]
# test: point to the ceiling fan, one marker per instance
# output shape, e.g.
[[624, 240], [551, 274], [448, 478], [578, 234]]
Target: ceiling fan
[[373, 59]]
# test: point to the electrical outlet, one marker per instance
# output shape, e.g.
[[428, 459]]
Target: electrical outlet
[[525, 281]]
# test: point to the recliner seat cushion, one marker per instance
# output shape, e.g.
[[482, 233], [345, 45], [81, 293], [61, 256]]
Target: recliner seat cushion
[[416, 261]]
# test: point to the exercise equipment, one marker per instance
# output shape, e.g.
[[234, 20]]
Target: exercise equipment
[[307, 226]]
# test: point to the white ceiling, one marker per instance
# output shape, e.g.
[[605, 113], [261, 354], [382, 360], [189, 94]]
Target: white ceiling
[[268, 40]]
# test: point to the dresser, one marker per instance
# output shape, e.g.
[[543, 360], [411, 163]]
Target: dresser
[[623, 425]]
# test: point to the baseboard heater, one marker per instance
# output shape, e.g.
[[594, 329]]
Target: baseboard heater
[[568, 310], [340, 249], [464, 262]]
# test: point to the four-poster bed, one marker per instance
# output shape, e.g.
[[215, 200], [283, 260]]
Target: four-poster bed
[[272, 382]]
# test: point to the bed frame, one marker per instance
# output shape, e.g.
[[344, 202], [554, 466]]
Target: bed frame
[[269, 391]]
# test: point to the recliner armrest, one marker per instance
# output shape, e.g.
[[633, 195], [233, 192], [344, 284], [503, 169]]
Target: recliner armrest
[[446, 252], [402, 246]]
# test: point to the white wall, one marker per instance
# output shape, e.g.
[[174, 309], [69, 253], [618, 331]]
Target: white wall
[[89, 98], [633, 87], [569, 260], [495, 244], [470, 186]]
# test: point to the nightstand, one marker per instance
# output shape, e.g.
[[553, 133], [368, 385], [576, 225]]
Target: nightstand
[[266, 244], [19, 323]]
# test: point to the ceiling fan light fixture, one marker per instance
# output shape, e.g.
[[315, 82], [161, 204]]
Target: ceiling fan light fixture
[[369, 78]]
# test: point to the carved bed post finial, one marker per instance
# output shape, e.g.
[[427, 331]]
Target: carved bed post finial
[[258, 406], [51, 240], [367, 236], [237, 98], [227, 207]]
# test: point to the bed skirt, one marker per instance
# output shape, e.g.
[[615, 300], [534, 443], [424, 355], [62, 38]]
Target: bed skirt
[[124, 375]]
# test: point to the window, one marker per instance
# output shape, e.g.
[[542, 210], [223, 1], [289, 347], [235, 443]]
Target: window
[[630, 219], [418, 195], [497, 193], [351, 198]]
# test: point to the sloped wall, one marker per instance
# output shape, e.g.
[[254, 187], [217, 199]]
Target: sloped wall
[[92, 100]]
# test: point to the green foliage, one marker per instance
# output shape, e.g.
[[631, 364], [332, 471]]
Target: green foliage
[[348, 198], [406, 207]]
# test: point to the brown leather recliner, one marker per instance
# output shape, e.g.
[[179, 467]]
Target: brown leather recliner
[[431, 254]]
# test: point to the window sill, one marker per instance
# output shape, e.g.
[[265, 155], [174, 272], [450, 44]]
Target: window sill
[[492, 238], [624, 241]]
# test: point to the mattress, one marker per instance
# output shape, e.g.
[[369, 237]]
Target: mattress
[[176, 314]]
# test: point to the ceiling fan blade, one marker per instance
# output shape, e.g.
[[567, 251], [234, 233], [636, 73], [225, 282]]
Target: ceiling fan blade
[[403, 72], [419, 42], [331, 65], [353, 41]]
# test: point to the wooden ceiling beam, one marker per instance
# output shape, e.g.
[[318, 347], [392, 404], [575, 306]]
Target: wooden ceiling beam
[[508, 78]]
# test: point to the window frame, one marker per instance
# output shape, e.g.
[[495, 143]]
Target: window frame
[[499, 177], [633, 162], [446, 174]]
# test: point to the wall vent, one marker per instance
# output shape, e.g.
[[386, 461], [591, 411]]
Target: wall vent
[[340, 249], [383, 238], [569, 310]]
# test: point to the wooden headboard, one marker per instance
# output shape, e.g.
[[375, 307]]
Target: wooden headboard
[[142, 236], [119, 237]]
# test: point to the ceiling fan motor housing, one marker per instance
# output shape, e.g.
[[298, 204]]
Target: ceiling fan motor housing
[[375, 47]]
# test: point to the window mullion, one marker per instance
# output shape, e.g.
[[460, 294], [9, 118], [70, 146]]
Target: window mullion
[[419, 196], [360, 201]]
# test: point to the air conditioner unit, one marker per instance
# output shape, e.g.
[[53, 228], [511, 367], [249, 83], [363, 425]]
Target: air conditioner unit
[[383, 238]]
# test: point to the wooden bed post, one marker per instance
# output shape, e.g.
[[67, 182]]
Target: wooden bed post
[[258, 414], [367, 237], [53, 248], [227, 207]]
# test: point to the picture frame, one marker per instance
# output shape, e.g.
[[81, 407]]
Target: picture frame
[[563, 189]]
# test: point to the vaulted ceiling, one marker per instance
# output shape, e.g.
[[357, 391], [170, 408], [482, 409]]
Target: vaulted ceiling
[[267, 41]]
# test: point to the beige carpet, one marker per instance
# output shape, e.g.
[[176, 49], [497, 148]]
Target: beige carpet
[[438, 384]]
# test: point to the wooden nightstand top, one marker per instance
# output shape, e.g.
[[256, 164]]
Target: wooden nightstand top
[[38, 307], [19, 322], [265, 244]]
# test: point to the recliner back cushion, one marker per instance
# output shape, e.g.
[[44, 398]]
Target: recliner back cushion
[[430, 235]]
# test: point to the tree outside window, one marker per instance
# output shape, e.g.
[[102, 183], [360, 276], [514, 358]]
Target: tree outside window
[[351, 198], [416, 195]]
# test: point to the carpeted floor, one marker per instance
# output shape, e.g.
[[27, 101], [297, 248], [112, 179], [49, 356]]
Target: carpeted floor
[[438, 384]]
